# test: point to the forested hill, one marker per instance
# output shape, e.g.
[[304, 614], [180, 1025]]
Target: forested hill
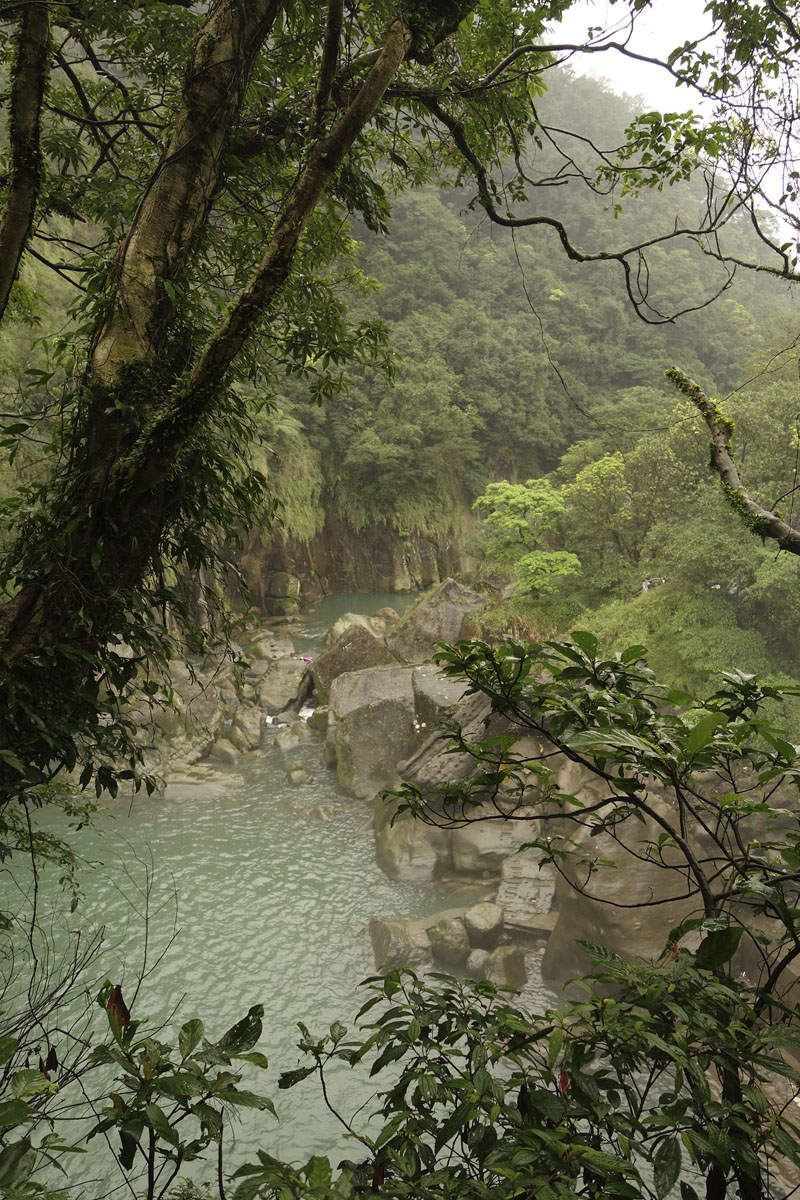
[[506, 353]]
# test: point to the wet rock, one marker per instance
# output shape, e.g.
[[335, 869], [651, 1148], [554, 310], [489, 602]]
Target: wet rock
[[443, 617], [321, 812], [318, 720], [483, 845], [269, 647], [476, 963], [357, 649], [348, 621], [506, 964], [435, 696], [449, 941], [285, 683], [290, 738], [635, 933], [248, 726], [398, 941], [371, 725], [298, 776], [409, 850], [224, 751], [484, 925]]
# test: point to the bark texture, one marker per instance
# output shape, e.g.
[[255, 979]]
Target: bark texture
[[27, 92]]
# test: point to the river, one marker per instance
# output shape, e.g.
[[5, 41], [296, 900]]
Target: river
[[268, 899]]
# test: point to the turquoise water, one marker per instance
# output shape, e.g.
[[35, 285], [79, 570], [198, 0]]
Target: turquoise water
[[255, 897]]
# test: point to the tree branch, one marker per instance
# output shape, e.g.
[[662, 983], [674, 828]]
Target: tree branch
[[327, 70], [761, 521], [27, 91]]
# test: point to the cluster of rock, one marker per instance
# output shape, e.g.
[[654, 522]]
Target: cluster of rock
[[473, 940]]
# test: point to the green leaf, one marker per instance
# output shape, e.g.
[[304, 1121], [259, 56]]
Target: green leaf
[[255, 1057], [587, 642], [666, 1166], [246, 1100], [703, 732], [244, 1034], [554, 1046], [16, 1163], [13, 1112], [191, 1035], [7, 1047], [181, 1085], [160, 1124], [718, 947]]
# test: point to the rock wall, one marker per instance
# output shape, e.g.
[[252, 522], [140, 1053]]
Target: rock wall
[[377, 559]]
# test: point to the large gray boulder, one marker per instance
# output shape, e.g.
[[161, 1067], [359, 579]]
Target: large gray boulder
[[188, 730], [410, 850], [484, 924], [357, 649], [398, 942], [284, 683], [435, 696], [371, 726], [506, 964], [247, 728], [443, 617], [482, 844], [376, 625], [449, 941], [269, 646], [643, 890]]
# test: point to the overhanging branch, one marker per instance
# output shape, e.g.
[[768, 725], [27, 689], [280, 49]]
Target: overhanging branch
[[761, 521]]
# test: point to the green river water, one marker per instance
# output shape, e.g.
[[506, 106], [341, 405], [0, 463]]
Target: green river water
[[272, 907]]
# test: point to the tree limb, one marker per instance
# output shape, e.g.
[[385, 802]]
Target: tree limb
[[761, 521], [27, 91]]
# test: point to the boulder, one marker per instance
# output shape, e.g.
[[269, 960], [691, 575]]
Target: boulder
[[506, 964], [248, 725], [371, 726], [348, 621], [482, 844], [399, 942], [269, 646], [441, 617], [449, 941], [291, 737], [637, 933], [286, 682], [357, 649], [484, 925], [298, 776], [318, 720], [409, 850], [476, 963], [435, 697], [224, 751]]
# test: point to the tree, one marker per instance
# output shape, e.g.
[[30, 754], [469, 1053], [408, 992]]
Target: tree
[[700, 793], [516, 518], [203, 160]]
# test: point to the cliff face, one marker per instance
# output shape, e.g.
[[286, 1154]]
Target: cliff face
[[283, 573]]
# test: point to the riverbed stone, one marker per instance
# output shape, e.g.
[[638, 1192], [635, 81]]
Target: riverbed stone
[[269, 647], [435, 696], [643, 889], [484, 924], [449, 941], [506, 964], [285, 683], [357, 649], [371, 726], [292, 736], [476, 964], [483, 844], [409, 850], [348, 621], [398, 942], [443, 616], [318, 720], [298, 776], [248, 726], [224, 751]]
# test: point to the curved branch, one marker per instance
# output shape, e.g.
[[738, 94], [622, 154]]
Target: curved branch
[[27, 92], [761, 521]]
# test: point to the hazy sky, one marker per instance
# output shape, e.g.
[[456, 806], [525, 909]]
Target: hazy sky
[[658, 30]]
